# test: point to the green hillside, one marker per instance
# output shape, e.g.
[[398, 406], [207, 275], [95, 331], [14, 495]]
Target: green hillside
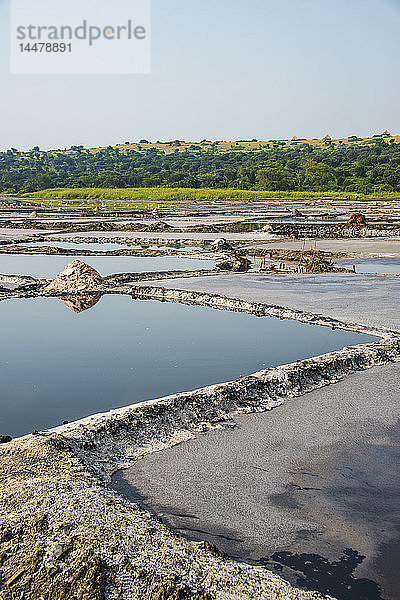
[[364, 166]]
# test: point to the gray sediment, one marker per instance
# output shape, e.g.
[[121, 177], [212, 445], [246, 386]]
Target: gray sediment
[[302, 484]]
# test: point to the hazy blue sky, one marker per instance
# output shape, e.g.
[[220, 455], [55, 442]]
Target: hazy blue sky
[[224, 69]]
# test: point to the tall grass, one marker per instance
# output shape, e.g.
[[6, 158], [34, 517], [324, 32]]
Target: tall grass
[[143, 195]]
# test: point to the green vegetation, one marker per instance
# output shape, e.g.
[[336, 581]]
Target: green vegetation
[[360, 166], [140, 197]]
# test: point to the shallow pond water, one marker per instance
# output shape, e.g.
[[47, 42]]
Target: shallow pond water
[[48, 266], [384, 266], [75, 245], [56, 364], [98, 247]]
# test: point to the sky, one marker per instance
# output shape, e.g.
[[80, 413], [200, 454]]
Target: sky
[[223, 70]]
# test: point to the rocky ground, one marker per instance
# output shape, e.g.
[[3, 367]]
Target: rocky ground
[[64, 535]]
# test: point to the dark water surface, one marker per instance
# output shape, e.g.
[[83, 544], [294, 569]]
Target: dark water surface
[[56, 364]]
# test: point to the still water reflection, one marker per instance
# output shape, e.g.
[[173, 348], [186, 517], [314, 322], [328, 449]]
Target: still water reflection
[[58, 361]]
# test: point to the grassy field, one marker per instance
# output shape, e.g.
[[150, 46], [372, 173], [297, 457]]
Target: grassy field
[[162, 197]]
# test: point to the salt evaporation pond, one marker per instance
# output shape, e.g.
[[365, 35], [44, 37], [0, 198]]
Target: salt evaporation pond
[[94, 246], [57, 365], [98, 247], [48, 266], [384, 266]]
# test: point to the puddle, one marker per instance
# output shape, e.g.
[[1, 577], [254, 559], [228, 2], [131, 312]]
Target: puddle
[[335, 578]]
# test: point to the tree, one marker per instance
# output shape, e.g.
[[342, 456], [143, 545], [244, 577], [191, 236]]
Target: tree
[[392, 178], [319, 176], [272, 176]]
